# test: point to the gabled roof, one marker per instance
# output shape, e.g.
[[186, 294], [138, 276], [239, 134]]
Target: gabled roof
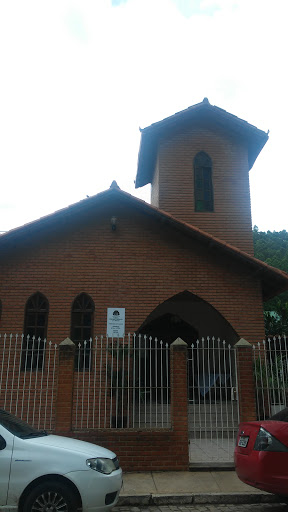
[[273, 281], [203, 112]]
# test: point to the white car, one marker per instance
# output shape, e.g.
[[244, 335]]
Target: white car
[[40, 472]]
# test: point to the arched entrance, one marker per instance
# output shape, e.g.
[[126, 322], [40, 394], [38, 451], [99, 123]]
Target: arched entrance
[[211, 370], [168, 327], [163, 329], [186, 309], [190, 318]]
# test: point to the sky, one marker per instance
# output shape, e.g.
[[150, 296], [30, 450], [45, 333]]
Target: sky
[[79, 77]]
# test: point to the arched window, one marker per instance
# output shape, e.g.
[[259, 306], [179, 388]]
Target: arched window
[[35, 332], [203, 188], [82, 327]]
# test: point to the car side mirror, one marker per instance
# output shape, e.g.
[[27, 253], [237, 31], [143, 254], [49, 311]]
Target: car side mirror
[[2, 443]]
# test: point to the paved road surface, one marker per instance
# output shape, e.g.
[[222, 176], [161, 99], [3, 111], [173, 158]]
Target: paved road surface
[[261, 507]]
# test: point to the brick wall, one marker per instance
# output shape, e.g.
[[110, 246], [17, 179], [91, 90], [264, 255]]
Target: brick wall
[[138, 266], [138, 450], [246, 381], [173, 184]]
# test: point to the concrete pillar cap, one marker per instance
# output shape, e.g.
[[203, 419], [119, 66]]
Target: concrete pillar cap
[[178, 342], [67, 342], [243, 343]]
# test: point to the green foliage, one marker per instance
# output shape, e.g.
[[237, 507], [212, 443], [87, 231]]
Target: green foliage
[[272, 374], [272, 248]]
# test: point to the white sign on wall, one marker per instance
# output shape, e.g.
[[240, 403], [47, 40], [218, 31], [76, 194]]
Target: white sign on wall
[[115, 322]]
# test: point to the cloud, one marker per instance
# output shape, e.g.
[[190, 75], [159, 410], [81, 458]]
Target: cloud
[[116, 3], [191, 7], [80, 77], [75, 24]]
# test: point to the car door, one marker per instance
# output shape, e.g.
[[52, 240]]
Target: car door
[[6, 449]]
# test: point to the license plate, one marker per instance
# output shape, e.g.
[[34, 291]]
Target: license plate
[[243, 441]]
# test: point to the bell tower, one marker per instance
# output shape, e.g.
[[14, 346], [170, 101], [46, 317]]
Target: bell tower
[[198, 163]]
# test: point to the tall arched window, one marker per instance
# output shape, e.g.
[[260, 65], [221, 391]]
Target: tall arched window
[[203, 187], [82, 327], [35, 332]]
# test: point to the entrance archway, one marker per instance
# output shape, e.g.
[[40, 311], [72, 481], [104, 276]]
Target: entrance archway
[[187, 309], [162, 331], [168, 327], [190, 318], [211, 369]]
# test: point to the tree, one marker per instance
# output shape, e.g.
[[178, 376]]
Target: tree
[[272, 248]]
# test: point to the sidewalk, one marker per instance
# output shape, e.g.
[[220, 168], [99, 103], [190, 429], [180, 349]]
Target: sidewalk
[[186, 487]]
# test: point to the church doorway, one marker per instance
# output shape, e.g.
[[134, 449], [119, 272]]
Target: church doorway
[[196, 322], [161, 332]]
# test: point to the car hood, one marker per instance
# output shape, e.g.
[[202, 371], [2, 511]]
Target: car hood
[[74, 445]]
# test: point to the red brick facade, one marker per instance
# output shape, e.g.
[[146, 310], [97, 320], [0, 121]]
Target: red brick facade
[[246, 383], [174, 179], [138, 266], [153, 264], [138, 450]]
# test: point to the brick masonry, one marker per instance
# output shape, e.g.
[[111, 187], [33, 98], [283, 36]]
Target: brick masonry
[[138, 450], [246, 381], [139, 266], [173, 183]]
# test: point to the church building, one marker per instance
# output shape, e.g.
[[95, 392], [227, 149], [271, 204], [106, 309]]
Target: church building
[[181, 267]]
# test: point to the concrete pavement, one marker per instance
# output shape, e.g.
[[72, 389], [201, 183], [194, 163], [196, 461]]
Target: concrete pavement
[[187, 487]]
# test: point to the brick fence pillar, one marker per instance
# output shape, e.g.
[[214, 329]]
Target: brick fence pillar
[[64, 403], [246, 383], [179, 401]]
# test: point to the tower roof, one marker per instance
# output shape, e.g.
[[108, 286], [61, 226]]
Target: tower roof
[[205, 113]]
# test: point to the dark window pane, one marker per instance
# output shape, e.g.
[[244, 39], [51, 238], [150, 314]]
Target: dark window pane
[[35, 325], [41, 320], [76, 318], [40, 333], [86, 334], [31, 319], [199, 206], [82, 328], [203, 188], [77, 334], [87, 318]]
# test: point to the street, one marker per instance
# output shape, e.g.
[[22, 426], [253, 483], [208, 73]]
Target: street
[[258, 507]]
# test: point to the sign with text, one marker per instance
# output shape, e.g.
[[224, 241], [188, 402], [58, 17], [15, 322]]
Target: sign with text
[[115, 322]]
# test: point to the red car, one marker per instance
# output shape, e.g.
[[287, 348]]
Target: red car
[[261, 454]]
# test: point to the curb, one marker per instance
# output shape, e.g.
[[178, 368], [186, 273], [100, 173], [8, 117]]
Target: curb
[[196, 498]]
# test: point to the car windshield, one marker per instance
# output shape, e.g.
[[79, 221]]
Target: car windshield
[[19, 427]]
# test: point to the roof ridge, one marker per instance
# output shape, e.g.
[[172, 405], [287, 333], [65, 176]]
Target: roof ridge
[[174, 221]]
